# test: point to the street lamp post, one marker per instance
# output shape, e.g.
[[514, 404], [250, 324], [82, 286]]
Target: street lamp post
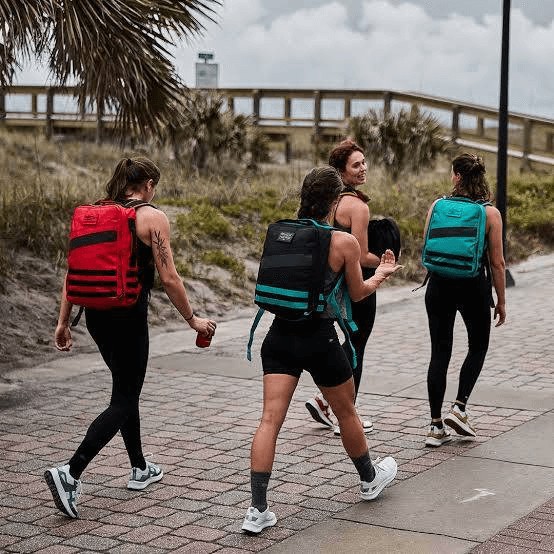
[[502, 160]]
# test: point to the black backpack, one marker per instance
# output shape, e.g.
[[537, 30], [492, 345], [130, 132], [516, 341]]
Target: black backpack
[[383, 234], [291, 275]]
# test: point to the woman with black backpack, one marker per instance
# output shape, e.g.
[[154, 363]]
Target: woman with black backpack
[[312, 344]]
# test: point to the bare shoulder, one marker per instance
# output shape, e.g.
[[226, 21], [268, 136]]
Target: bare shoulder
[[492, 213], [150, 214], [343, 240]]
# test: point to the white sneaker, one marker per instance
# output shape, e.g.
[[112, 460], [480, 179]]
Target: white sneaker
[[140, 478], [437, 437], [319, 410], [385, 472], [367, 426], [64, 488], [256, 521]]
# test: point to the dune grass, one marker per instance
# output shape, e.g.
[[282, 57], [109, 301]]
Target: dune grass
[[221, 221]]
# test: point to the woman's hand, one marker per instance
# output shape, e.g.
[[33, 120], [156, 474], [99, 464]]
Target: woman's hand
[[500, 312], [388, 265], [62, 337], [205, 327]]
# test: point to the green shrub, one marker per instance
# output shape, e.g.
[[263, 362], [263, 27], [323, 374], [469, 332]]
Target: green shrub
[[531, 206], [202, 221], [225, 261], [405, 141]]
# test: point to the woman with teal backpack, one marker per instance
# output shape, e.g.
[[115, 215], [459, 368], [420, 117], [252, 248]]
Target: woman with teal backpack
[[450, 290]]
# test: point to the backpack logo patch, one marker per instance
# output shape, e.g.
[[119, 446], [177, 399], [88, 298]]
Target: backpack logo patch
[[285, 236]]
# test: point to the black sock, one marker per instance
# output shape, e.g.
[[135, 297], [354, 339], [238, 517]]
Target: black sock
[[437, 424], [365, 467], [258, 484]]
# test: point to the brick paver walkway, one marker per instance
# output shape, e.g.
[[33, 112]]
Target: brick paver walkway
[[199, 428]]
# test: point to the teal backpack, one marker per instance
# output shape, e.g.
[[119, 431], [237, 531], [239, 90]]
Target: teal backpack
[[455, 241], [291, 276]]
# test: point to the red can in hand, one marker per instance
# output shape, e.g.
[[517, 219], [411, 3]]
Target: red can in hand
[[202, 341]]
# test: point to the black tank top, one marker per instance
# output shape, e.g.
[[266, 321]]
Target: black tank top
[[146, 265]]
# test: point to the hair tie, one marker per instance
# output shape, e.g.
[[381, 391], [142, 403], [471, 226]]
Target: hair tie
[[128, 162]]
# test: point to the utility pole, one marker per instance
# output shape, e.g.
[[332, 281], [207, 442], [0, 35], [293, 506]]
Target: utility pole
[[502, 160]]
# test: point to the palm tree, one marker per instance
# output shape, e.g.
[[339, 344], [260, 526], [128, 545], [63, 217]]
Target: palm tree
[[116, 51]]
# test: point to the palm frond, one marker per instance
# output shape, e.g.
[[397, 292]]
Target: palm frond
[[116, 51]]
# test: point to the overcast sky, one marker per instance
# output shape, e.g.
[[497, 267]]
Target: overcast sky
[[445, 48]]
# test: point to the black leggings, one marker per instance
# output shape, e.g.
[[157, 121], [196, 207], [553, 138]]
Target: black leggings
[[122, 338], [363, 315], [443, 298]]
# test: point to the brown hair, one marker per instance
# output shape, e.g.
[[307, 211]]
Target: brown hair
[[473, 183], [130, 174], [338, 157], [320, 188]]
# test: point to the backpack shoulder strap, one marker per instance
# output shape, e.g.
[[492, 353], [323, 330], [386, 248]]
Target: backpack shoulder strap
[[252, 331]]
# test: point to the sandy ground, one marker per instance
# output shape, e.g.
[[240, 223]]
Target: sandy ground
[[29, 304]]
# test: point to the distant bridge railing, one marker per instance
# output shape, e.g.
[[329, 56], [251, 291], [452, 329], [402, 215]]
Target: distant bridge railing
[[282, 113]]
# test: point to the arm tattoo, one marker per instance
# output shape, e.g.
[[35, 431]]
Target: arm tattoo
[[161, 248]]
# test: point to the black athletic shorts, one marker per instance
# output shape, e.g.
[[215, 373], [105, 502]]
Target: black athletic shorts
[[290, 347]]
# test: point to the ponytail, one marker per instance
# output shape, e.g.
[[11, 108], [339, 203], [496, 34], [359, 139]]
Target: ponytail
[[129, 175]]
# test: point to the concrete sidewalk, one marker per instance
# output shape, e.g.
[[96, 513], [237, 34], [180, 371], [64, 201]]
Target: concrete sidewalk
[[199, 412]]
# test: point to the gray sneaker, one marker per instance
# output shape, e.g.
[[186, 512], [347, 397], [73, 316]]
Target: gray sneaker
[[64, 488], [141, 478], [385, 472]]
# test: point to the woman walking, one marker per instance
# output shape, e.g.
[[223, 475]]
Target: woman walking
[[472, 297], [352, 216], [312, 344], [121, 335]]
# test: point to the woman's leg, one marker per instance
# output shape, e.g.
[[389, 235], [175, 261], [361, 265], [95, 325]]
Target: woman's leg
[[341, 399], [120, 343], [441, 313], [476, 314], [363, 315], [278, 391]]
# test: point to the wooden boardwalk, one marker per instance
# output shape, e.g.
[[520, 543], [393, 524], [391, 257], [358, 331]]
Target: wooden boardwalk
[[283, 113]]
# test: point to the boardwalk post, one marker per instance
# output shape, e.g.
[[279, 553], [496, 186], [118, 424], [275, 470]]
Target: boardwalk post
[[231, 104], [317, 124], [49, 112], [34, 109], [480, 127], [527, 138], [549, 142], [387, 101], [455, 122], [99, 122], [2, 107], [256, 106], [287, 114]]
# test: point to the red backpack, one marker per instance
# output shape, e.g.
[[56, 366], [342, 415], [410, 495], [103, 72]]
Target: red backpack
[[102, 269]]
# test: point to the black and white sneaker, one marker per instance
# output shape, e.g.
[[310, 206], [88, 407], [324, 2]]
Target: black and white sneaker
[[256, 521], [141, 478], [385, 472], [64, 488]]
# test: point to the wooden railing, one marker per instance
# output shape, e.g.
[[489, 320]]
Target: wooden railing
[[531, 138]]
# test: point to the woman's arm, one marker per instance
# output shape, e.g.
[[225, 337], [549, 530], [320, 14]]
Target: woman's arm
[[62, 335], [359, 220], [172, 283], [346, 248], [498, 265]]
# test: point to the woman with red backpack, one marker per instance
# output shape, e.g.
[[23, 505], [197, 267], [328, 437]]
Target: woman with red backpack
[[121, 333]]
